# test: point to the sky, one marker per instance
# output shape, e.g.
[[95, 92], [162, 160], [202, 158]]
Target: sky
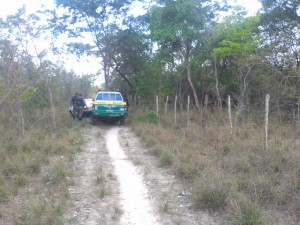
[[88, 65], [11, 6]]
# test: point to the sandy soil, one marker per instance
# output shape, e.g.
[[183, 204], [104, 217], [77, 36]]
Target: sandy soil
[[118, 182]]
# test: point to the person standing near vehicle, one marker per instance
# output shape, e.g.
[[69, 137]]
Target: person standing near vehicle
[[73, 99], [79, 105], [126, 100], [72, 105]]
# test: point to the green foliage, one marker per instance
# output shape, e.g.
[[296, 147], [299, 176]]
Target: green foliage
[[149, 117], [149, 79], [281, 10], [27, 96], [178, 25], [237, 37]]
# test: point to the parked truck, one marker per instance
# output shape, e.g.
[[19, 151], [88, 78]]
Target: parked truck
[[109, 106]]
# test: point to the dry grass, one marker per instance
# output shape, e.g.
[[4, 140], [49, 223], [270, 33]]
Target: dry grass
[[34, 171], [231, 173]]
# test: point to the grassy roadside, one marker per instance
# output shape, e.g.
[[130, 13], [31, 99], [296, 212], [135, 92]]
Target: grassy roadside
[[229, 174], [35, 172]]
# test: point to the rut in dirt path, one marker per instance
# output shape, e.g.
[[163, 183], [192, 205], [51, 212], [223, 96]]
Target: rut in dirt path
[[84, 208], [107, 188], [133, 191]]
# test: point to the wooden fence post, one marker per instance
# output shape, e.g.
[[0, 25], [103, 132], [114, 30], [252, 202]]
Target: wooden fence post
[[166, 106], [156, 105], [267, 121], [205, 103], [175, 110], [139, 102], [188, 111], [298, 115], [229, 114], [204, 112]]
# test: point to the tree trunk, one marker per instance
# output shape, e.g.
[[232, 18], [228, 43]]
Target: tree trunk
[[53, 111], [188, 111], [217, 82], [166, 106], [229, 114], [242, 104], [175, 110], [188, 72], [267, 121], [106, 74], [21, 121]]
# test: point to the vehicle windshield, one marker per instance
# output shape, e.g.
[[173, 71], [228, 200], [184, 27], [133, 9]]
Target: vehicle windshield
[[109, 97]]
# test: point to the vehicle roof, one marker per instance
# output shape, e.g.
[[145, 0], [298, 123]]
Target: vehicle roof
[[115, 92]]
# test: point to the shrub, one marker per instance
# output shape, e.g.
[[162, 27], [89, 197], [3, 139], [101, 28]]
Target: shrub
[[149, 117], [246, 214], [166, 159], [211, 195]]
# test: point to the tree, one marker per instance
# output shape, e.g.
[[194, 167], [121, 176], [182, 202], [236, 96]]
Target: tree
[[281, 10], [238, 44], [177, 27], [95, 20], [18, 79], [280, 29], [130, 55]]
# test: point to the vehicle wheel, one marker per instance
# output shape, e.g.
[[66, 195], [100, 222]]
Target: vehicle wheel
[[94, 120], [122, 121]]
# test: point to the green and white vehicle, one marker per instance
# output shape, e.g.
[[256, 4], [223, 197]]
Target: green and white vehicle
[[109, 106]]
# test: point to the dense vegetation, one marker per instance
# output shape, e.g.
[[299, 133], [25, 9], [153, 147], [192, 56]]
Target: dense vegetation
[[198, 48]]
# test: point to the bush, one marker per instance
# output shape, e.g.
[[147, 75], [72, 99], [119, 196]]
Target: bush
[[211, 195], [247, 214], [149, 117]]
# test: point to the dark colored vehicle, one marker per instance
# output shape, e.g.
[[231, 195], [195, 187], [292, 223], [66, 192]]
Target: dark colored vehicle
[[109, 106]]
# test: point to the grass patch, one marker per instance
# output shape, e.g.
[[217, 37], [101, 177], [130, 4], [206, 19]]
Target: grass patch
[[4, 194], [246, 213], [221, 167], [41, 212], [103, 191], [210, 195], [34, 170], [149, 117], [165, 207], [166, 158]]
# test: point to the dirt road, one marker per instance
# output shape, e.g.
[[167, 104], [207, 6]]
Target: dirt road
[[116, 181]]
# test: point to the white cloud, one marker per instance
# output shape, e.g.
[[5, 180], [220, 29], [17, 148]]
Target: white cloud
[[9, 7], [252, 6]]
